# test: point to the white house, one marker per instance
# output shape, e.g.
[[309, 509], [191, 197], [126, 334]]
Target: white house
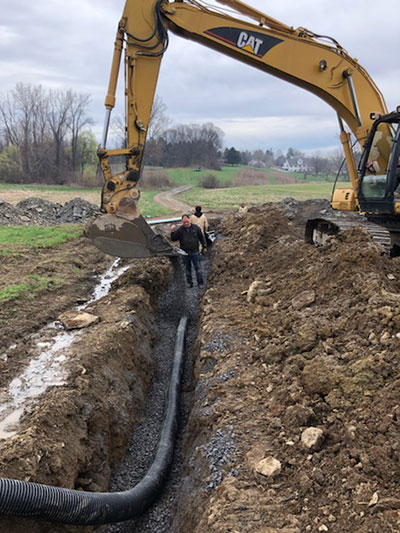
[[298, 164]]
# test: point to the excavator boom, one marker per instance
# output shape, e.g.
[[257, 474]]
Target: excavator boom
[[313, 62]]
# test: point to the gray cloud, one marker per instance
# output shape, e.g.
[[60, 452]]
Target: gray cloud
[[70, 45]]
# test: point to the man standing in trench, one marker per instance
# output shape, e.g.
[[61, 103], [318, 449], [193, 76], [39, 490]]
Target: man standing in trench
[[189, 236], [200, 219]]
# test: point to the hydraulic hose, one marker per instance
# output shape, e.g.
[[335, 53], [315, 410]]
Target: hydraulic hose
[[67, 506]]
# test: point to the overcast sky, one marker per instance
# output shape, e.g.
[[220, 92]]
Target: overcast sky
[[69, 44]]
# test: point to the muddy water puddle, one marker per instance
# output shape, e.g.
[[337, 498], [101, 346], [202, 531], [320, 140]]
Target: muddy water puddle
[[47, 367]]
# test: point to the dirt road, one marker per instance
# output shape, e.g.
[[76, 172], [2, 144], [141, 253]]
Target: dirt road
[[168, 199]]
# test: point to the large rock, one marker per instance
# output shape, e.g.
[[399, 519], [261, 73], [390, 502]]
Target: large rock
[[259, 288], [78, 319], [77, 210], [269, 467], [303, 299]]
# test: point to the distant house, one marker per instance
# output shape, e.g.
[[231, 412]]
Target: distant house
[[257, 163], [296, 164]]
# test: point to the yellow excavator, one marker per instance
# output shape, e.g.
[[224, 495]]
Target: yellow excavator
[[314, 62]]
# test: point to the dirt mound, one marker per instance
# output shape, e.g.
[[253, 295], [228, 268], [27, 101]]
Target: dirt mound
[[39, 212], [296, 423], [281, 178]]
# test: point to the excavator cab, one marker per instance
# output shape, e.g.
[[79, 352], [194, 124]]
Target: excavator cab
[[379, 167]]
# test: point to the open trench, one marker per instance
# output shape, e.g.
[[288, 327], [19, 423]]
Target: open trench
[[176, 302], [76, 434]]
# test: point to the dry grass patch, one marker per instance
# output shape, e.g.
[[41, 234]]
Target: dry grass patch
[[155, 178], [251, 176]]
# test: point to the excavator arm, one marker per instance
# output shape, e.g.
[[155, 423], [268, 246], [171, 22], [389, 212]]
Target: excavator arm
[[122, 231], [313, 62]]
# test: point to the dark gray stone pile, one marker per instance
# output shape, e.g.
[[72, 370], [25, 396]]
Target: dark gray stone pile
[[38, 212]]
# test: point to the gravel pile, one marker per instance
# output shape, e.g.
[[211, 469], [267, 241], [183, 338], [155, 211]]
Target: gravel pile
[[38, 212], [174, 303]]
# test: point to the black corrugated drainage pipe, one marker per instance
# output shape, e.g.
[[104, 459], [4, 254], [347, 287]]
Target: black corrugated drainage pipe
[[19, 498]]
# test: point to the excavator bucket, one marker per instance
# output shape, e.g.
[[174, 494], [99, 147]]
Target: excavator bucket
[[120, 237]]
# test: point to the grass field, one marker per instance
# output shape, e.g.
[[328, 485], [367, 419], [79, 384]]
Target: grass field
[[62, 194], [255, 195], [14, 237], [229, 173], [193, 177], [212, 198], [149, 207]]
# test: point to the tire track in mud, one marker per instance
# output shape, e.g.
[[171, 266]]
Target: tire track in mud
[[174, 303]]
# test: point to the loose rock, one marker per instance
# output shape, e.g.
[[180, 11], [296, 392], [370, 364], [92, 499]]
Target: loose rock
[[312, 438]]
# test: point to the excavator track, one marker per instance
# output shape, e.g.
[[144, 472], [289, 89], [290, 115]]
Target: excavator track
[[318, 230]]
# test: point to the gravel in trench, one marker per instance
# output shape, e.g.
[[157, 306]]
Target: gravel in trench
[[176, 302]]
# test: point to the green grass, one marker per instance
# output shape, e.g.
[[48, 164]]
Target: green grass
[[13, 237], [27, 289], [255, 195], [229, 173], [313, 178], [148, 207], [190, 176]]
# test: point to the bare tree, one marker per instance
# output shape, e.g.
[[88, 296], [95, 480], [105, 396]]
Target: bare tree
[[57, 116], [192, 144], [159, 121], [9, 121], [77, 121], [318, 163], [23, 117], [293, 152], [40, 123], [118, 129]]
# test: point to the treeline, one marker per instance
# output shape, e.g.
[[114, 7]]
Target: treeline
[[315, 164], [191, 145], [44, 135]]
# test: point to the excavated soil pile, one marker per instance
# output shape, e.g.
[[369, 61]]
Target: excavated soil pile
[[296, 423]]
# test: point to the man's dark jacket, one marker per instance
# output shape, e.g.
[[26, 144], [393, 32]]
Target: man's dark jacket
[[189, 238]]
